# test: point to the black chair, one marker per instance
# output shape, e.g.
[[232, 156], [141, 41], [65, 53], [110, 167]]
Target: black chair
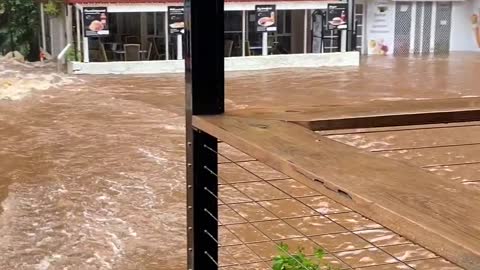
[[228, 46], [132, 52]]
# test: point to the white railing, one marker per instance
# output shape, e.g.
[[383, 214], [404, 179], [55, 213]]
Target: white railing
[[61, 57]]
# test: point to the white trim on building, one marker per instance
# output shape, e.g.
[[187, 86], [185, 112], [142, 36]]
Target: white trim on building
[[229, 6]]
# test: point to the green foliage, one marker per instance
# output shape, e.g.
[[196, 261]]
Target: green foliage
[[299, 261], [52, 8], [19, 25], [71, 55]]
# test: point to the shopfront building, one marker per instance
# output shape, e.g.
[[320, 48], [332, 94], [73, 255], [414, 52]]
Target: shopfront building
[[147, 24], [383, 27]]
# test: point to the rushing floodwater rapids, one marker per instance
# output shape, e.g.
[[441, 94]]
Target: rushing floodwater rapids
[[92, 172]]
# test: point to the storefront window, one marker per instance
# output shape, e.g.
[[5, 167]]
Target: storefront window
[[233, 33], [156, 35], [156, 23], [283, 37], [278, 42], [141, 31], [254, 38], [131, 23], [151, 23]]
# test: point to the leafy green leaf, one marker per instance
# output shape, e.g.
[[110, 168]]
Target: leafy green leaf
[[319, 253], [298, 260]]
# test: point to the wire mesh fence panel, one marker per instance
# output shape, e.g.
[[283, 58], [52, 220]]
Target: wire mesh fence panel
[[427, 27], [403, 22], [443, 28], [418, 28]]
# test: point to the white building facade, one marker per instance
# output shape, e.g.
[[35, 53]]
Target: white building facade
[[417, 27]]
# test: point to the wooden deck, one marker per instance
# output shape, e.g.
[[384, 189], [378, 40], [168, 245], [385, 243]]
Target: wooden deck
[[428, 209], [261, 207], [375, 114]]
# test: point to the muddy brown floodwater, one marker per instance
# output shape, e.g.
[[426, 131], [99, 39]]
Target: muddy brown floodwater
[[92, 174]]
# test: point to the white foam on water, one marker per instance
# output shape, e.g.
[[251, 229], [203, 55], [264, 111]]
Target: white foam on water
[[18, 80], [43, 265], [157, 159], [173, 127]]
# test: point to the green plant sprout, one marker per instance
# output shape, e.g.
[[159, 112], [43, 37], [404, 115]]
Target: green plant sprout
[[71, 55], [52, 8], [299, 261]]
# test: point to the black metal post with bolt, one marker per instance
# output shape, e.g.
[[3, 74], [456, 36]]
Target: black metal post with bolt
[[204, 95]]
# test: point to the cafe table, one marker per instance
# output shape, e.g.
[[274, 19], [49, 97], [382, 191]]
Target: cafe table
[[258, 48], [113, 46]]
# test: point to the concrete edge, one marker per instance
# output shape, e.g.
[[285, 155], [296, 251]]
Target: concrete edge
[[231, 64]]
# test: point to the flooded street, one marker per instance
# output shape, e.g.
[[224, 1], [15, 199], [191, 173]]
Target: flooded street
[[92, 172]]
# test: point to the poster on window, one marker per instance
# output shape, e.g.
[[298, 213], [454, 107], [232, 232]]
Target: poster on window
[[95, 21], [265, 17], [380, 27], [176, 22], [476, 27], [337, 16]]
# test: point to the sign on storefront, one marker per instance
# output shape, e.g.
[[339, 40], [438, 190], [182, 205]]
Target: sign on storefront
[[265, 16], [176, 22], [381, 27], [95, 21], [337, 16]]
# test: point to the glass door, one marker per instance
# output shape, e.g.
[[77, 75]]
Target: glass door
[[359, 21], [156, 35], [233, 33]]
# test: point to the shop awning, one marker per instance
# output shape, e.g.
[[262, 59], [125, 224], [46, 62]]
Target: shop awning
[[173, 1], [428, 0], [230, 5]]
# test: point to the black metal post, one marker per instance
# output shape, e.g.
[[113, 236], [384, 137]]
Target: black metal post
[[350, 27], [339, 40], [204, 95]]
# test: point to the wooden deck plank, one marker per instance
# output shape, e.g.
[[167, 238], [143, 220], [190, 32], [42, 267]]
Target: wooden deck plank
[[373, 114], [395, 128], [429, 157], [458, 173], [425, 208], [412, 139]]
